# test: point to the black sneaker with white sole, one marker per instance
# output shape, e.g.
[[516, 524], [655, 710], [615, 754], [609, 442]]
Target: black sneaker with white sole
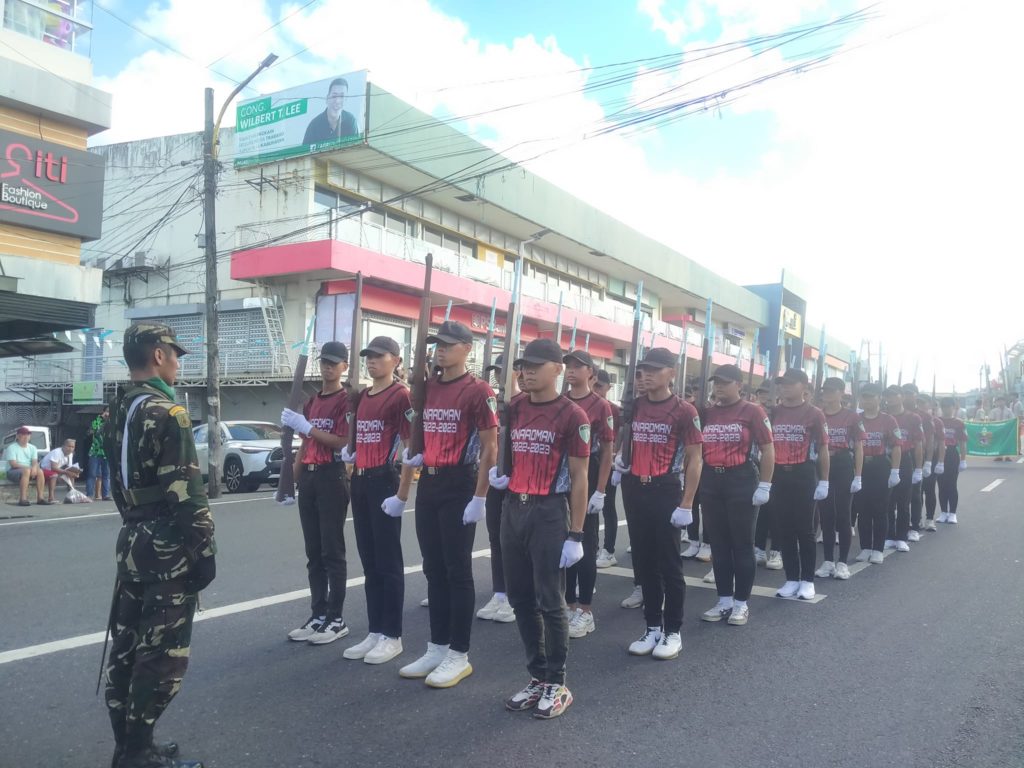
[[526, 698], [331, 630], [307, 630]]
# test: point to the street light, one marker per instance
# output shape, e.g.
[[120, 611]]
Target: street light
[[211, 147]]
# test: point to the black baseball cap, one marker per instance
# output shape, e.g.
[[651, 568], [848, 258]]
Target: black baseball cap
[[496, 364], [541, 351], [382, 345], [451, 332], [894, 389], [793, 376], [658, 357], [727, 372], [580, 356], [871, 388], [909, 389], [334, 352], [603, 377], [834, 382]]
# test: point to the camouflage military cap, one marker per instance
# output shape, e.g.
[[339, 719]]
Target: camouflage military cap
[[153, 332]]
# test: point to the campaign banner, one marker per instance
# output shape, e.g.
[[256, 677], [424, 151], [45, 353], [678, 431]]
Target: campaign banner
[[997, 438], [316, 117]]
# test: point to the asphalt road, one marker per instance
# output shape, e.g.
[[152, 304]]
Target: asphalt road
[[914, 663]]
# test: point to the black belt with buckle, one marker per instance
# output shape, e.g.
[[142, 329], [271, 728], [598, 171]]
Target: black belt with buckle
[[454, 468], [382, 471], [723, 470], [651, 479], [317, 467], [527, 497]]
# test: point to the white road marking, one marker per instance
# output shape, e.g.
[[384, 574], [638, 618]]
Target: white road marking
[[692, 582], [1020, 460], [95, 638], [992, 486], [113, 514]]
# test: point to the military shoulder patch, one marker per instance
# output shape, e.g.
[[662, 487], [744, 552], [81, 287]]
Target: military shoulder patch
[[585, 433], [410, 415], [492, 403], [696, 423], [611, 422], [181, 416]]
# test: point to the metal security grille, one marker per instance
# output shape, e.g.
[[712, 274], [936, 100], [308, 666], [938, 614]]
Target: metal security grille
[[189, 330], [244, 345]]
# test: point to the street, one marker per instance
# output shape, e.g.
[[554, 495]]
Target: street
[[916, 662]]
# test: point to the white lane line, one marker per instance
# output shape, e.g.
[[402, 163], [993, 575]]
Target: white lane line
[[95, 638], [1020, 460], [112, 514], [692, 582], [992, 486]]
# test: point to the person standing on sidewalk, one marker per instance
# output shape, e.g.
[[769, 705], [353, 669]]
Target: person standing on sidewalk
[[99, 466], [911, 469], [382, 427], [323, 496], [460, 427], [606, 555], [846, 464], [542, 523]]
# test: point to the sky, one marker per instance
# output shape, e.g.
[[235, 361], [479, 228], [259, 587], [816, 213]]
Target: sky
[[886, 178]]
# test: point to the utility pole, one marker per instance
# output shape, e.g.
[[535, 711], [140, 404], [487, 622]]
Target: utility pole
[[211, 145]]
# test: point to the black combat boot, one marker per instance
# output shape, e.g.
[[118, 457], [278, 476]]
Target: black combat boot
[[151, 757], [166, 748]]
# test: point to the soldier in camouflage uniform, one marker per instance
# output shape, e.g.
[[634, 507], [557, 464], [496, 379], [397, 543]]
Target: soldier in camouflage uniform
[[165, 549]]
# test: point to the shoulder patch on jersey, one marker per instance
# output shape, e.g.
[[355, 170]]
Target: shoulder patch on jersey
[[492, 403], [585, 433], [696, 423], [611, 422], [767, 423], [410, 415], [181, 416], [898, 433]]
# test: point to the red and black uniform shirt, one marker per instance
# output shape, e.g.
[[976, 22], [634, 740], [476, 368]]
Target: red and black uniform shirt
[[382, 423], [661, 432], [954, 431], [454, 415], [844, 430], [881, 435], [939, 430], [602, 423], [328, 413], [544, 437], [910, 430], [927, 425], [734, 433], [798, 432]]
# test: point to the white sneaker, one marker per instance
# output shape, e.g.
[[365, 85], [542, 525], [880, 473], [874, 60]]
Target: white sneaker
[[426, 663], [505, 613], [864, 556], [774, 562], [951, 518], [704, 554], [669, 647], [876, 557], [306, 631], [709, 577], [425, 602], [819, 538], [828, 568], [487, 612], [605, 559], [635, 600], [581, 624], [760, 556], [929, 525], [692, 550], [806, 591], [359, 651], [913, 536], [739, 615], [629, 550], [902, 546], [647, 643], [334, 629], [943, 517], [842, 571], [450, 671], [718, 612], [684, 536], [889, 544], [386, 649], [789, 589]]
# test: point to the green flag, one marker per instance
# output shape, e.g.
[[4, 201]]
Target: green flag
[[997, 438]]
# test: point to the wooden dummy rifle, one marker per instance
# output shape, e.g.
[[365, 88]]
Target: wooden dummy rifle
[[507, 375], [625, 438], [421, 368], [286, 482], [353, 384]]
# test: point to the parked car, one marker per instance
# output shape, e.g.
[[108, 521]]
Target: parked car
[[251, 450]]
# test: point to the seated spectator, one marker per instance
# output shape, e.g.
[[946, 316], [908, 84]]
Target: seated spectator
[[23, 459], [60, 463]]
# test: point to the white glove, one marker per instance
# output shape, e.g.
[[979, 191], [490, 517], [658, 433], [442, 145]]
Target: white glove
[[572, 553], [474, 511], [411, 461], [940, 468], [299, 423], [821, 492], [682, 517], [963, 464], [894, 478], [596, 503], [393, 506], [347, 456], [856, 485], [761, 494], [498, 482], [616, 478], [917, 477], [927, 469], [618, 466]]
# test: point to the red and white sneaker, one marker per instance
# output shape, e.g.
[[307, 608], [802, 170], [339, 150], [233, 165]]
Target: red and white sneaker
[[553, 702]]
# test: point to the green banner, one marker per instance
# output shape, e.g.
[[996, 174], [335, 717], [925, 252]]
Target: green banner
[[260, 113], [87, 392], [999, 438]]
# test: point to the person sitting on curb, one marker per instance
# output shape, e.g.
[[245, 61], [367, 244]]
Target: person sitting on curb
[[23, 458]]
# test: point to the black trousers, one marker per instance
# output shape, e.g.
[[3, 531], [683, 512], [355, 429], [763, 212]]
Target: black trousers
[[949, 495], [533, 531], [899, 501], [629, 486], [447, 548], [693, 529], [581, 578], [323, 502], [766, 526], [835, 509], [916, 505], [730, 516], [495, 498], [656, 551], [871, 504], [611, 517], [792, 499], [929, 487], [379, 542]]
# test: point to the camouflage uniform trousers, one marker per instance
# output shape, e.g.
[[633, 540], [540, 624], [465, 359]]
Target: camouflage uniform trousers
[[152, 632]]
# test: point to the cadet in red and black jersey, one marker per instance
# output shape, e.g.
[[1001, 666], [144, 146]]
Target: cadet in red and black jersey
[[929, 408], [846, 463], [882, 456], [910, 405], [911, 471], [382, 426], [581, 578], [460, 426], [627, 483], [542, 522], [954, 462], [801, 478], [666, 442], [606, 555], [732, 488], [323, 496]]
